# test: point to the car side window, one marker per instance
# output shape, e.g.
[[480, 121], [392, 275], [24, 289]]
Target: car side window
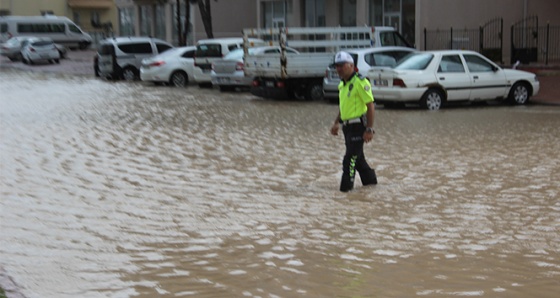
[[162, 47], [451, 63], [477, 64], [272, 51], [136, 48], [188, 54], [232, 47]]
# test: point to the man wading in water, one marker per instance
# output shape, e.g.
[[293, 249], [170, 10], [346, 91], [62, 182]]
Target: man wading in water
[[356, 111]]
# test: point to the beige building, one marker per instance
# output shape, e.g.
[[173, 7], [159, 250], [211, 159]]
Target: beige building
[[82, 12], [426, 24]]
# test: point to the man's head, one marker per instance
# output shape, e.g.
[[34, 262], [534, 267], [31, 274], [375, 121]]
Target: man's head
[[344, 64]]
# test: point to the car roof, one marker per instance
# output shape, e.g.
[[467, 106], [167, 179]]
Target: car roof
[[443, 52], [378, 49], [132, 39], [228, 39]]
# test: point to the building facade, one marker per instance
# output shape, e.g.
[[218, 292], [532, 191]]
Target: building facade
[[96, 17]]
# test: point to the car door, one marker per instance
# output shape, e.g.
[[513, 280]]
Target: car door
[[488, 80], [451, 74]]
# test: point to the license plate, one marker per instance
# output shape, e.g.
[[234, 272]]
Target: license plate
[[269, 84], [223, 80], [380, 83]]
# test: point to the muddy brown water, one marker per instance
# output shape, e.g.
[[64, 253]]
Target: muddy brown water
[[131, 190]]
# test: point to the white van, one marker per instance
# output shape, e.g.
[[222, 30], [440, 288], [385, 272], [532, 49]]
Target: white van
[[121, 57], [60, 29], [210, 50]]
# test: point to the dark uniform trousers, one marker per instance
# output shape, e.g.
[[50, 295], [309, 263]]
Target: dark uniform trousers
[[354, 159]]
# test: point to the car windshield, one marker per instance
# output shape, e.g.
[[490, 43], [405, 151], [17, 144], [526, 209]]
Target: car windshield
[[416, 61]]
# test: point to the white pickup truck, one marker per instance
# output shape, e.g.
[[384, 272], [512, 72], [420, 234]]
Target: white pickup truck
[[287, 75]]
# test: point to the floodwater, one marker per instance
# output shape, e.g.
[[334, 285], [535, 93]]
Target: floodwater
[[132, 190]]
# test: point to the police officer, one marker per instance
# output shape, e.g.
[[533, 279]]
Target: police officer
[[356, 111]]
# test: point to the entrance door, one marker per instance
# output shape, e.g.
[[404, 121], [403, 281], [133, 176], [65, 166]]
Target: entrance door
[[392, 19]]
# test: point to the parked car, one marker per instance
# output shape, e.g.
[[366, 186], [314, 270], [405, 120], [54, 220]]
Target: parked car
[[12, 48], [227, 73], [210, 50], [173, 67], [435, 77], [36, 49], [121, 57], [364, 59]]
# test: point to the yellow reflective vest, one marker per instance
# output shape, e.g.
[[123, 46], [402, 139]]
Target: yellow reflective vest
[[353, 96]]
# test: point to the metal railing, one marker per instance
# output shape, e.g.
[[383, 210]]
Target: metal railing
[[529, 42]]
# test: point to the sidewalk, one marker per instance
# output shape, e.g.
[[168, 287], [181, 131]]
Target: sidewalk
[[81, 63], [549, 77]]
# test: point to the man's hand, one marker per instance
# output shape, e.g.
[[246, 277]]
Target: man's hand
[[334, 129]]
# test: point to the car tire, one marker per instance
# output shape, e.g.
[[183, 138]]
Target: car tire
[[24, 60], [432, 100], [224, 88], [57, 61], [129, 73], [314, 91], [519, 94], [13, 59], [179, 79]]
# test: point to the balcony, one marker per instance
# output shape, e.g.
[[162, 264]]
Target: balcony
[[99, 4]]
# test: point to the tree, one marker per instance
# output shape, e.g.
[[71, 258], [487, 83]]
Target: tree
[[206, 15]]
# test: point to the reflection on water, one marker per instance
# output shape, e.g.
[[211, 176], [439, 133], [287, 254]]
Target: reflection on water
[[119, 190]]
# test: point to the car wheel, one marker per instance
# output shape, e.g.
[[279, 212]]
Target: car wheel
[[51, 61], [13, 59], [24, 60], [432, 100], [519, 94], [57, 61], [224, 88], [129, 73], [30, 61], [314, 91], [179, 79], [393, 105]]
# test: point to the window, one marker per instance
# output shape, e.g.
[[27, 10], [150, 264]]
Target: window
[[275, 13], [392, 39], [126, 21], [161, 47], [415, 61], [451, 63], [74, 29], [57, 28], [3, 28], [477, 64], [188, 54], [136, 48], [232, 47], [348, 13], [95, 17], [209, 50], [106, 50], [315, 13]]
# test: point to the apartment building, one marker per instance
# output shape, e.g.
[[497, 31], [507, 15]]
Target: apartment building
[[97, 17]]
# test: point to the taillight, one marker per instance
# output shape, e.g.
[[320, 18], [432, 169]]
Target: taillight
[[280, 84], [239, 66], [399, 83], [157, 63], [31, 49], [256, 83]]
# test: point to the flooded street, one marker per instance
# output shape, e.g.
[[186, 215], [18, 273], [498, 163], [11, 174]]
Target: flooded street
[[133, 190]]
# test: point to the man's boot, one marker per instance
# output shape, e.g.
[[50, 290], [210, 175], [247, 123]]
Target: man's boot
[[346, 183], [368, 177]]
